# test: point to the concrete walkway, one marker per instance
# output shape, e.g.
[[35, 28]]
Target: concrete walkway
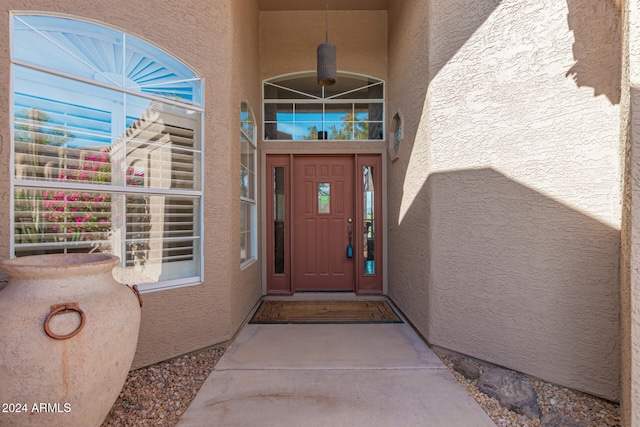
[[332, 375]]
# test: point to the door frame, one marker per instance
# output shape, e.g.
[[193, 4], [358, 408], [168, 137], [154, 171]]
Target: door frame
[[364, 284]]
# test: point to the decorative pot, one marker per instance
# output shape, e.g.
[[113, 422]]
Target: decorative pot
[[68, 335]]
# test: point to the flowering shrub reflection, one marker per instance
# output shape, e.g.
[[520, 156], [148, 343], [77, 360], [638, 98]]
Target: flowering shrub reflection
[[55, 215], [94, 169], [86, 213]]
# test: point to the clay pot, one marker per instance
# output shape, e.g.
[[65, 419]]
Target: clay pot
[[68, 335]]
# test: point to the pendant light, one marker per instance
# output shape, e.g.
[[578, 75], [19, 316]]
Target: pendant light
[[326, 55]]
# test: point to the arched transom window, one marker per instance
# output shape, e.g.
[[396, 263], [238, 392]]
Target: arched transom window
[[107, 149], [296, 107]]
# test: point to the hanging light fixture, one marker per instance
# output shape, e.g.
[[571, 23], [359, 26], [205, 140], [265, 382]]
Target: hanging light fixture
[[326, 55]]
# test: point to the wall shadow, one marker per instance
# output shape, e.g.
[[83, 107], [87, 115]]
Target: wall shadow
[[414, 59], [483, 264], [519, 279], [459, 22], [598, 63]]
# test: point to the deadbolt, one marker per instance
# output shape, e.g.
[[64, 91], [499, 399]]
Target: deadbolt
[[349, 220]]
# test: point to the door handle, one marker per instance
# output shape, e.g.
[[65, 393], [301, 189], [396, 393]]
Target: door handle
[[349, 246]]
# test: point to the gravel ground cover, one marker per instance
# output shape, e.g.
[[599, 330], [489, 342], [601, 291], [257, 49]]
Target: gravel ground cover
[[158, 395], [589, 410]]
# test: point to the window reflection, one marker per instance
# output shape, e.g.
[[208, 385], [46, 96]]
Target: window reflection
[[278, 219], [368, 220], [324, 197], [296, 108]]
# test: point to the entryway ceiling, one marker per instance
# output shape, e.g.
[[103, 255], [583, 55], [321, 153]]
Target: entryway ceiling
[[320, 4]]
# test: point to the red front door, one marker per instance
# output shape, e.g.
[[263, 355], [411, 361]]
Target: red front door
[[323, 211]]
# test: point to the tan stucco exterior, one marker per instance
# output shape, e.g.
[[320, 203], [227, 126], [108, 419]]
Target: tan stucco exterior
[[504, 206], [245, 281], [504, 241], [630, 281], [288, 41]]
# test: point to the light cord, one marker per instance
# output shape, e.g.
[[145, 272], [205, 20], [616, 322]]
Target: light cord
[[326, 21]]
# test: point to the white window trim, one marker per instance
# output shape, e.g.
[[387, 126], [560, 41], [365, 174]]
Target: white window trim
[[251, 202]]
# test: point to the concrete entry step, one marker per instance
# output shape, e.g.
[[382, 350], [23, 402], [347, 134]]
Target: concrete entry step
[[378, 346]]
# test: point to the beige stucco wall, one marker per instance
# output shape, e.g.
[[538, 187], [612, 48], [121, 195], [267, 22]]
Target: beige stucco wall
[[288, 41], [198, 32], [630, 280], [408, 260], [504, 241], [246, 285]]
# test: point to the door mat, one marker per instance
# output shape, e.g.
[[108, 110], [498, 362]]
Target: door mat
[[271, 312]]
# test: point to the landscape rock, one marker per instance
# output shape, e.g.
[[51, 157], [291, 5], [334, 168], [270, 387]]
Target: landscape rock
[[513, 393], [556, 419], [467, 368]]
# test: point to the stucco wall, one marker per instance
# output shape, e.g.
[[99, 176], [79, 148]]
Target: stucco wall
[[630, 283], [505, 237], [288, 41], [198, 32], [246, 289], [409, 262]]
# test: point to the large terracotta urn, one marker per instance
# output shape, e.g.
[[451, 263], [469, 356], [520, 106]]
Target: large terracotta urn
[[68, 334]]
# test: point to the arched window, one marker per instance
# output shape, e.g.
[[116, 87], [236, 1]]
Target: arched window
[[297, 108], [248, 214], [107, 149]]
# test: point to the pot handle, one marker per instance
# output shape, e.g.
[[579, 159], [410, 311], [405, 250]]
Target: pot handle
[[62, 308], [135, 290]]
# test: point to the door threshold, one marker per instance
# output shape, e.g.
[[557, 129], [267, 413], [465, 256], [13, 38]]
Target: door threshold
[[324, 296]]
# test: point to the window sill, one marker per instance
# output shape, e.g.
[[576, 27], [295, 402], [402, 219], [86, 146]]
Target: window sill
[[169, 284], [247, 264]]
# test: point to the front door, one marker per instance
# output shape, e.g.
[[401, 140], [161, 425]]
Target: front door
[[313, 203], [323, 213]]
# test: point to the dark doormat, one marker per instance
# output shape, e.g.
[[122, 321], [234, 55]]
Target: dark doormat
[[271, 312]]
